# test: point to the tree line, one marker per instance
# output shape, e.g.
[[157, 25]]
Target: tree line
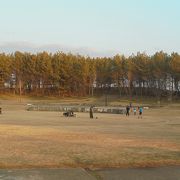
[[62, 74]]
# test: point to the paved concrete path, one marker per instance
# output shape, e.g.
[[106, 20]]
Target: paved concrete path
[[46, 174], [161, 173]]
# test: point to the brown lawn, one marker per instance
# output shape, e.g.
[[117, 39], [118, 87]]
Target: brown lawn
[[47, 139]]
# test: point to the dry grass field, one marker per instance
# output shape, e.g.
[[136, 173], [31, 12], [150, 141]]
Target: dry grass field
[[47, 139]]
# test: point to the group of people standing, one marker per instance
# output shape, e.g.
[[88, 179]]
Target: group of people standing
[[135, 110], [128, 109]]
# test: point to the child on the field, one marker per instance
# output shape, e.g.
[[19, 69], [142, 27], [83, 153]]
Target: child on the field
[[134, 110], [140, 112]]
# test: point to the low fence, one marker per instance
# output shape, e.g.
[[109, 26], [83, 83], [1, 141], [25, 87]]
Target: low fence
[[77, 108]]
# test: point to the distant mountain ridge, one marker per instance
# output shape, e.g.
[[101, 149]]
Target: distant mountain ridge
[[10, 47]]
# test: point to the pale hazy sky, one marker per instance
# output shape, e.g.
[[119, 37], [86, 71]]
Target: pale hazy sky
[[105, 26]]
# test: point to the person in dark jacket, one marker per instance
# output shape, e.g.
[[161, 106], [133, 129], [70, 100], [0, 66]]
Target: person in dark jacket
[[127, 110], [91, 112]]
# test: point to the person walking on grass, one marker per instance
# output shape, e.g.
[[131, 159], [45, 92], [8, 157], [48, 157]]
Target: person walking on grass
[[127, 110], [91, 112], [130, 107], [140, 112], [134, 110]]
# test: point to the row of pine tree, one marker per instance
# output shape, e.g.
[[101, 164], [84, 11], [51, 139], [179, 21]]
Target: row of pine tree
[[63, 74]]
